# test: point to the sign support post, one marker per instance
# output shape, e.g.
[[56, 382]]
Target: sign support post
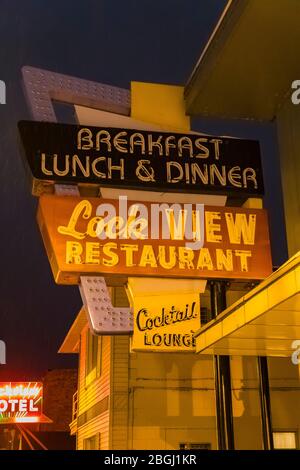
[[265, 403], [222, 376]]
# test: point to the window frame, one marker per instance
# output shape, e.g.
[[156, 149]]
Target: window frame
[[287, 431], [87, 440], [93, 372]]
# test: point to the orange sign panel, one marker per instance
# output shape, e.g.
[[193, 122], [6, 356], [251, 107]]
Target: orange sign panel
[[120, 238]]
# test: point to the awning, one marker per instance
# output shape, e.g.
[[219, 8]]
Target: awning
[[264, 322], [249, 63]]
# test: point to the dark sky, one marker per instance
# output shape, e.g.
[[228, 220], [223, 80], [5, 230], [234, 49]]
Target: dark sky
[[113, 42]]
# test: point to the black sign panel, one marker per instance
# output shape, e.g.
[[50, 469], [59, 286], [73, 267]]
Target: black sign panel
[[136, 159]]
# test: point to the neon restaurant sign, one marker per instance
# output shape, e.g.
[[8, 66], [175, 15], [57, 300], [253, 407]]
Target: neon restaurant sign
[[20, 402], [97, 236], [139, 159]]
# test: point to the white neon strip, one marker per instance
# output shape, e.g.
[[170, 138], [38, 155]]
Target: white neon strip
[[27, 419]]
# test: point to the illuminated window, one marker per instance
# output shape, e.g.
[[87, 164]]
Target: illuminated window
[[93, 357], [92, 352], [92, 443], [285, 440]]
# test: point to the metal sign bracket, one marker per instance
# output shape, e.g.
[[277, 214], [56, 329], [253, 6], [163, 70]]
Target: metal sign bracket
[[103, 317]]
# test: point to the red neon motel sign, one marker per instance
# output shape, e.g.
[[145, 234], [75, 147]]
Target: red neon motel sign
[[20, 402]]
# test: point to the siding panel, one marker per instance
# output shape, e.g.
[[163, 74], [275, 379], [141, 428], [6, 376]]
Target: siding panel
[[89, 395], [120, 384]]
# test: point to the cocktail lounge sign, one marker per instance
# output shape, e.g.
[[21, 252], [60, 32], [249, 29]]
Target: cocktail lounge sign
[[166, 323], [128, 158], [166, 314], [97, 236]]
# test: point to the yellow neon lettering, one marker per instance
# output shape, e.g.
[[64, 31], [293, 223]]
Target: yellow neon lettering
[[243, 255], [212, 227], [113, 257], [204, 260], [241, 228], [148, 257], [85, 208], [186, 257], [92, 253], [162, 257], [129, 250], [224, 260], [73, 252]]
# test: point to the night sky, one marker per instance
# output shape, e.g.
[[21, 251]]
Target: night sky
[[113, 42]]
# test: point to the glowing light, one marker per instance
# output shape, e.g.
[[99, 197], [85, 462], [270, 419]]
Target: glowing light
[[26, 419], [20, 402], [20, 390]]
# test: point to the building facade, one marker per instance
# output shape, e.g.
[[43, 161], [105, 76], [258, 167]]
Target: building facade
[[167, 401], [242, 388]]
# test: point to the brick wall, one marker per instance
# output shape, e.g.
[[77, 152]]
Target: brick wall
[[59, 387]]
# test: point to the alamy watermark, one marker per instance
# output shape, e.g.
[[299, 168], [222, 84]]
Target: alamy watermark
[[168, 221], [296, 93], [2, 352], [296, 354], [138, 221], [2, 92]]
